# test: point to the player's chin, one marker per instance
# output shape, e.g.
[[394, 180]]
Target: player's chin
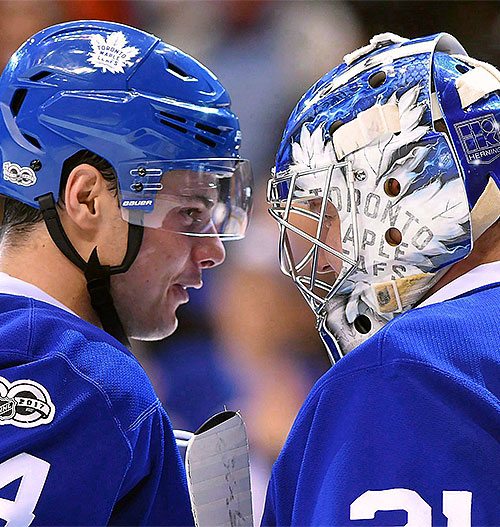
[[154, 334], [161, 324], [158, 321]]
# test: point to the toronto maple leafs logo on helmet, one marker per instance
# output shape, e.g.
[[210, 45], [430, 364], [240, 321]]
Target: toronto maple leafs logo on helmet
[[112, 53]]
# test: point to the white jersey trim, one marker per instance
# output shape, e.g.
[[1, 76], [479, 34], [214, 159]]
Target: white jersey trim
[[13, 286]]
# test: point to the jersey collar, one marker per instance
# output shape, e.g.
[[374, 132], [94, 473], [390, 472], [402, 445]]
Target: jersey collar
[[481, 275], [13, 286]]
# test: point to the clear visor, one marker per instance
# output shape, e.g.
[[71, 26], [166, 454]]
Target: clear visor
[[194, 197]]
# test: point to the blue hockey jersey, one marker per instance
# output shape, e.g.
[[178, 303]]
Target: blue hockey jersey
[[83, 437], [404, 430]]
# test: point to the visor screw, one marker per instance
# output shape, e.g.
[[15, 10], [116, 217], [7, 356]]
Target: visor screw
[[137, 187], [141, 171], [36, 165], [360, 175]]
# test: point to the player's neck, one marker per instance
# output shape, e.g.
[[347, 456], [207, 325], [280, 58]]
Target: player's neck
[[51, 272], [486, 250]]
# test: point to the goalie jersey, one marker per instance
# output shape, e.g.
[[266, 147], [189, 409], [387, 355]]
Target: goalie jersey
[[404, 430], [83, 438]]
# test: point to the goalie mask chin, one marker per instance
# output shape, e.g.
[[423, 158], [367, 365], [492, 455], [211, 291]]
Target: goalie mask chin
[[388, 170]]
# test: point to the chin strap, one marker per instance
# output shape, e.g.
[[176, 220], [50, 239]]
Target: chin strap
[[98, 286], [98, 276]]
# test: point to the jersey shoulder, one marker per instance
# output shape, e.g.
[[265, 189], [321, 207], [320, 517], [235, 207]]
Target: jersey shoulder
[[457, 338], [35, 332], [414, 407]]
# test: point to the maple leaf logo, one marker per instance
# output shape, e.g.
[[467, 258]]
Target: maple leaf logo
[[112, 53]]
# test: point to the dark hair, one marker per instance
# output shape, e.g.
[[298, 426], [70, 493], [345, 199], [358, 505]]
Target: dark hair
[[20, 219]]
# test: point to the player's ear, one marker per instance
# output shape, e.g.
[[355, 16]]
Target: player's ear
[[85, 196]]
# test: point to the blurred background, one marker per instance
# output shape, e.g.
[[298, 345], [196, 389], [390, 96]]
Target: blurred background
[[247, 340]]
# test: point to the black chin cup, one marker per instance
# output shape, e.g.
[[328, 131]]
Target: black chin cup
[[98, 276]]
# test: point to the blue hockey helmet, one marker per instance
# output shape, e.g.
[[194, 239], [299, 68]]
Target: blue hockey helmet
[[388, 170], [159, 117], [146, 107]]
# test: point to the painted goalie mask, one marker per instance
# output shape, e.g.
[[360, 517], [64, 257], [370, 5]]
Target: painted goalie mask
[[388, 170]]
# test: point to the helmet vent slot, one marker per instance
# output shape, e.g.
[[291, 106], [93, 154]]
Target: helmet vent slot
[[335, 126], [205, 140], [33, 140], [181, 124], [440, 126], [177, 118], [392, 187], [178, 72], [377, 79], [393, 236], [363, 324], [462, 68], [208, 128], [174, 126], [40, 75], [17, 100]]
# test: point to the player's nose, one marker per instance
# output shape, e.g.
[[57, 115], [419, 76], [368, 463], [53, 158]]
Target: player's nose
[[323, 263], [323, 259], [208, 252]]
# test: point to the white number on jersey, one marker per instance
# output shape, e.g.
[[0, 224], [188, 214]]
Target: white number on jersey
[[33, 471], [457, 506]]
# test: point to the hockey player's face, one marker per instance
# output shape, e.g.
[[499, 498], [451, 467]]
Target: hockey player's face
[[328, 232], [168, 264], [330, 235]]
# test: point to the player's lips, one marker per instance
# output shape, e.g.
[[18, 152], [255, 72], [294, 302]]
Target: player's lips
[[194, 281], [181, 292]]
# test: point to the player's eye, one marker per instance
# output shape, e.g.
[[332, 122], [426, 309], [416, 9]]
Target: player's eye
[[194, 219], [315, 205], [192, 215], [328, 220]]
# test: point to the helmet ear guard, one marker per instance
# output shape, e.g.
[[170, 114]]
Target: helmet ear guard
[[419, 123]]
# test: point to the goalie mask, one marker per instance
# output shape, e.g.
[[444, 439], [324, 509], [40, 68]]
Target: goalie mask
[[388, 170]]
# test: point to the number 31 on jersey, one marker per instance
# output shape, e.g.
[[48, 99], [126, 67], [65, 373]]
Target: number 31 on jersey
[[457, 506]]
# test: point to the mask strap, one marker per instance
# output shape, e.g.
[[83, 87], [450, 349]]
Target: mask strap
[[377, 121], [476, 83], [395, 296], [485, 211]]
